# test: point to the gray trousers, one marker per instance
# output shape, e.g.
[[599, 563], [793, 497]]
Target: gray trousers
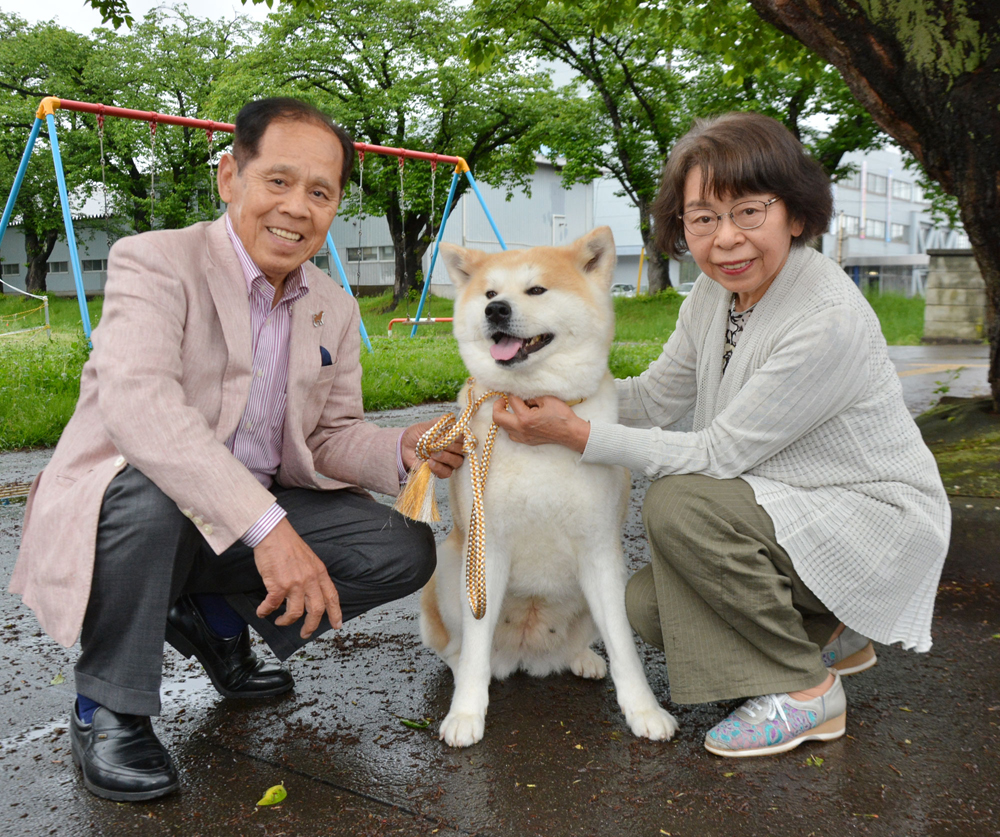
[[148, 554], [721, 597]]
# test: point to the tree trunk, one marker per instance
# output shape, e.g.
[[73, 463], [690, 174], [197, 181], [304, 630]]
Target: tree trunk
[[929, 73], [38, 251], [409, 249], [658, 269]]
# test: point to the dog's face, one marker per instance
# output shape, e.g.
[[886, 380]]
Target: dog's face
[[538, 321]]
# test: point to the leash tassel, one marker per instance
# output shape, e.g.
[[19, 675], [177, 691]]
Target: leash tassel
[[417, 500]]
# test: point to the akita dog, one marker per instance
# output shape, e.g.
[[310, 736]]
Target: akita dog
[[531, 323]]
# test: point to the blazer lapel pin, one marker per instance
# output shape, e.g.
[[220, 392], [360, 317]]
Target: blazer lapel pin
[[318, 319]]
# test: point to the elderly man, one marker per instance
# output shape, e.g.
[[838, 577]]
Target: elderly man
[[213, 473]]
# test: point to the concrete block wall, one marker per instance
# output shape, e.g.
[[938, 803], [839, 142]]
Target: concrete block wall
[[956, 298]]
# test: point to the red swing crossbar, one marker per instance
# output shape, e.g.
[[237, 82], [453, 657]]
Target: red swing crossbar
[[51, 104]]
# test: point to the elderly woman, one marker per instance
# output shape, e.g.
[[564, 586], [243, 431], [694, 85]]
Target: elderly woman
[[804, 498]]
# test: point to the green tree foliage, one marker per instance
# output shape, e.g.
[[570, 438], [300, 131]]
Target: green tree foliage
[[929, 73], [38, 61], [644, 72], [391, 75], [169, 63]]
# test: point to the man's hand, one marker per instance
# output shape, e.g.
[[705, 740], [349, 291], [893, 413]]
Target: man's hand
[[292, 572], [542, 421], [442, 463]]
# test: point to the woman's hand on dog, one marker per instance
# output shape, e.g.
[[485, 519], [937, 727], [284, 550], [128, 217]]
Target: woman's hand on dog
[[441, 463], [542, 421]]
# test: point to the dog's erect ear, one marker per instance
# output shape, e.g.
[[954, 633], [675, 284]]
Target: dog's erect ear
[[596, 255], [460, 263]]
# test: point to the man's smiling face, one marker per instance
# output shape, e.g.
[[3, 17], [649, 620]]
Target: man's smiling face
[[282, 202]]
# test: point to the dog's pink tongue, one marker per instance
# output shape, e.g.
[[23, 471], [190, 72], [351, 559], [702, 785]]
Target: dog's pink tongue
[[506, 348]]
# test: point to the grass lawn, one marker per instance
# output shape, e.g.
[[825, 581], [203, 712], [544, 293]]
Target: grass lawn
[[40, 379]]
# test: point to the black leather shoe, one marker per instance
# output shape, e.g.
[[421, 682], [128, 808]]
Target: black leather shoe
[[235, 671], [121, 757]]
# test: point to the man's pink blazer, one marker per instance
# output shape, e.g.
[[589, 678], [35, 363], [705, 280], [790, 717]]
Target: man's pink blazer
[[166, 385]]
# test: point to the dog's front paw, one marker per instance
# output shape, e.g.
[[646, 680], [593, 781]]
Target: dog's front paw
[[655, 723], [589, 664], [460, 729]]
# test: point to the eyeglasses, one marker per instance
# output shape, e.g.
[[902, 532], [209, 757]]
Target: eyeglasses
[[747, 215]]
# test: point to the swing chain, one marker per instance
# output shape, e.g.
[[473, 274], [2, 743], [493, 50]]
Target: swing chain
[[210, 139], [430, 222], [430, 226], [361, 212], [402, 196], [104, 180], [152, 174], [402, 222]]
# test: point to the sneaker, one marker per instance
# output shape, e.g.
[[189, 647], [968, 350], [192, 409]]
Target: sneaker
[[849, 653], [775, 723]]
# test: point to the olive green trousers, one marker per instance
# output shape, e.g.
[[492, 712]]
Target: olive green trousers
[[721, 597]]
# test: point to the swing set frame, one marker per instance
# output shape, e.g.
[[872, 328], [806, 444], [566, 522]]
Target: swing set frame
[[46, 113]]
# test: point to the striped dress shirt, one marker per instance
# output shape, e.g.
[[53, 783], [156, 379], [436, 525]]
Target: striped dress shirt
[[256, 442]]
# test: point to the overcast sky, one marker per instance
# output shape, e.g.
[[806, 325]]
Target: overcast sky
[[76, 15]]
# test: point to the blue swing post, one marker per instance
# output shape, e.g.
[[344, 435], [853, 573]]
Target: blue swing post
[[482, 203], [19, 178], [48, 109], [462, 166], [347, 287]]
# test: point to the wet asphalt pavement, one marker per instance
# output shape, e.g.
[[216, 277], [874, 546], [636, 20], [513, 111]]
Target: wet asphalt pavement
[[921, 755]]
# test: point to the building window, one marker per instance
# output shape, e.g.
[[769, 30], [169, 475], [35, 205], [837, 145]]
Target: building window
[[874, 228], [902, 190], [58, 267], [877, 184], [850, 181], [851, 224], [94, 265], [322, 261], [371, 254], [11, 269], [362, 254], [899, 232]]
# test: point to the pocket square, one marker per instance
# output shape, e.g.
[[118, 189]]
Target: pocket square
[[325, 356]]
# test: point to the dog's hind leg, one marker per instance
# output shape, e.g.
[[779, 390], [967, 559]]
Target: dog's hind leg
[[466, 719], [583, 660], [433, 631], [602, 577]]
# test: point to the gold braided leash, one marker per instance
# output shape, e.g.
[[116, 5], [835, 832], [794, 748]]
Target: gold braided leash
[[417, 500]]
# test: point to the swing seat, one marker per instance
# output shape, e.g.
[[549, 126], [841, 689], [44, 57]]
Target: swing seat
[[416, 321]]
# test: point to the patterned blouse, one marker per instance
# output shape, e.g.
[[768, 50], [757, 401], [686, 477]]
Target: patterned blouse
[[737, 320]]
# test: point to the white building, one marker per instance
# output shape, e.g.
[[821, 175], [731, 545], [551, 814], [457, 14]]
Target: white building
[[882, 226]]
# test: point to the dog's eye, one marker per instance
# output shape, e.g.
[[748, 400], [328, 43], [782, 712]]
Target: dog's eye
[[536, 290], [490, 294]]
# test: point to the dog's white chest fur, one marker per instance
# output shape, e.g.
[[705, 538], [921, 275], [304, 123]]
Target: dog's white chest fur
[[542, 506]]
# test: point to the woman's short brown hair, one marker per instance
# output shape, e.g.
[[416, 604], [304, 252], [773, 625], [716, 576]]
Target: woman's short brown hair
[[740, 154]]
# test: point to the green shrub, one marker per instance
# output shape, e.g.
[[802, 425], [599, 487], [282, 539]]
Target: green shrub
[[39, 388], [902, 318]]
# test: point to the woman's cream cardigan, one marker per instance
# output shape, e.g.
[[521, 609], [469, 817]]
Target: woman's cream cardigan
[[810, 413]]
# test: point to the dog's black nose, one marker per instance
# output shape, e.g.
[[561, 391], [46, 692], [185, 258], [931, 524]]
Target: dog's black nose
[[498, 311]]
